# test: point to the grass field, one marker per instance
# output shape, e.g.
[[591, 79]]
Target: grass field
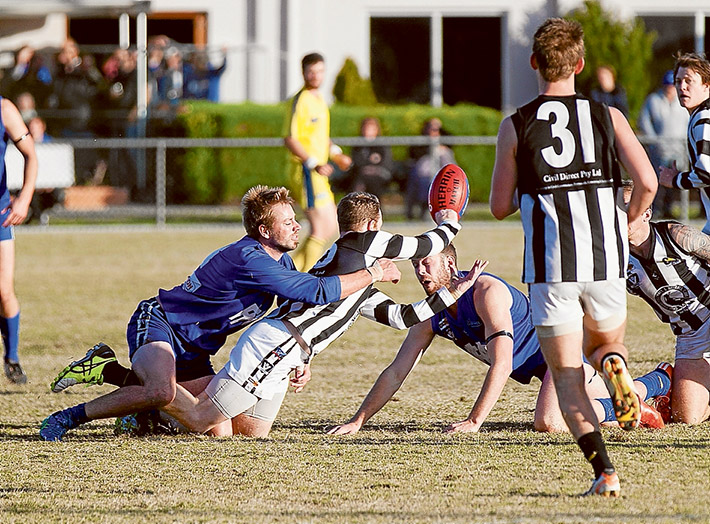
[[77, 289]]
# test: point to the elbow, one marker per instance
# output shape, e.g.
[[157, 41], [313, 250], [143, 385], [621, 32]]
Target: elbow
[[498, 212], [498, 216]]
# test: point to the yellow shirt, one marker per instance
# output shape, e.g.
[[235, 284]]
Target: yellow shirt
[[309, 123]]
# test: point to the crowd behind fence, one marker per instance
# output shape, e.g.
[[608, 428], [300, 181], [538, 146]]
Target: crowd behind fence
[[150, 200]]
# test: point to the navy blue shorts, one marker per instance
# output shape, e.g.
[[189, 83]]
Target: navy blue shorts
[[534, 366], [149, 324]]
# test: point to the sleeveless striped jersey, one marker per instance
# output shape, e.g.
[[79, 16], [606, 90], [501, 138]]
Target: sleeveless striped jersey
[[568, 183], [672, 281]]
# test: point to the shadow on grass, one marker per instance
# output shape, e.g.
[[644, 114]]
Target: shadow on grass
[[321, 425]]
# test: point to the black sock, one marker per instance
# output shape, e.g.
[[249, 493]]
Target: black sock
[[592, 445], [114, 373]]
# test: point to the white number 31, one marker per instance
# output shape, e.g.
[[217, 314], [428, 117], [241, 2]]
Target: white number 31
[[559, 129]]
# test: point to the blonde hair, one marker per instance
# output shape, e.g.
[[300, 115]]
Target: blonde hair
[[558, 45], [258, 204]]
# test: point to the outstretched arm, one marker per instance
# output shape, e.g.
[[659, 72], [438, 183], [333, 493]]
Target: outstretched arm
[[380, 308], [381, 244], [492, 301], [390, 380]]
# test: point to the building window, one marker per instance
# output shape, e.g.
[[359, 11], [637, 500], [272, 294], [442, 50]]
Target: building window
[[400, 59]]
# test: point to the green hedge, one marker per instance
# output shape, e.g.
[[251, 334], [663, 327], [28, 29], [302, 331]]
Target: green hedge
[[216, 176]]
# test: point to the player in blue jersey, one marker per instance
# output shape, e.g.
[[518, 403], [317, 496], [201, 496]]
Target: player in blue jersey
[[492, 322], [13, 212], [294, 333], [171, 337]]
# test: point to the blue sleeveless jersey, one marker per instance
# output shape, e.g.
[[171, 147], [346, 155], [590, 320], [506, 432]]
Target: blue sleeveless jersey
[[4, 193], [468, 332], [233, 287]]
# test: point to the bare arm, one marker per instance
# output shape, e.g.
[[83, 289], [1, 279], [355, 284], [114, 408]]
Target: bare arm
[[297, 149], [492, 301], [390, 380], [19, 134], [505, 172], [636, 162], [692, 240]]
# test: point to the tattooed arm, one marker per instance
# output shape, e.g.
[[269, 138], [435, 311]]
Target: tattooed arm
[[692, 240]]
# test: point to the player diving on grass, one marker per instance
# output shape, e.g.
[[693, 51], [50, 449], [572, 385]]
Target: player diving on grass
[[320, 324], [171, 337], [492, 323], [295, 332]]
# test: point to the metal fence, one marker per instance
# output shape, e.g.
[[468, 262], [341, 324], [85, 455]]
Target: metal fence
[[98, 200]]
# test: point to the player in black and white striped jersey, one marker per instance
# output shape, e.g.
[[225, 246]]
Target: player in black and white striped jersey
[[692, 80], [669, 268], [557, 159], [290, 336]]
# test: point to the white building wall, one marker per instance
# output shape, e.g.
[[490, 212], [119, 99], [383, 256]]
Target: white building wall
[[340, 28]]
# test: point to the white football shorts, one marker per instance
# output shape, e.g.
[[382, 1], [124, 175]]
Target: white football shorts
[[232, 399], [558, 308]]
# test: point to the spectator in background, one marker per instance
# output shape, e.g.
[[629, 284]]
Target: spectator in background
[[123, 102], [608, 92], [38, 130], [426, 162], [372, 164], [29, 74], [75, 87], [202, 78], [25, 103], [664, 118], [171, 79], [44, 197], [76, 84]]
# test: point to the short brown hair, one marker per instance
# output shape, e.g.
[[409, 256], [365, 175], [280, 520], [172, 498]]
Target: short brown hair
[[558, 45], [310, 59], [258, 204], [356, 208], [697, 62], [448, 251]]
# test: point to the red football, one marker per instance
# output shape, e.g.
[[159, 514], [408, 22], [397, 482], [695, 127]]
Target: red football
[[449, 190]]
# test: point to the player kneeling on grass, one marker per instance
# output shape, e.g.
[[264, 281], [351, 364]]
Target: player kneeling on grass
[[668, 268], [492, 323], [287, 339], [172, 336], [357, 253]]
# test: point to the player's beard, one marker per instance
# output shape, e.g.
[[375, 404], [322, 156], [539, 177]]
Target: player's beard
[[441, 279]]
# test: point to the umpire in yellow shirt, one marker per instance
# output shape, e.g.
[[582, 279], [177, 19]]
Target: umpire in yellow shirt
[[308, 139]]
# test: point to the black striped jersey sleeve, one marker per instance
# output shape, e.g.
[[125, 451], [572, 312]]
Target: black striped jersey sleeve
[[698, 150], [381, 244], [381, 308]]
